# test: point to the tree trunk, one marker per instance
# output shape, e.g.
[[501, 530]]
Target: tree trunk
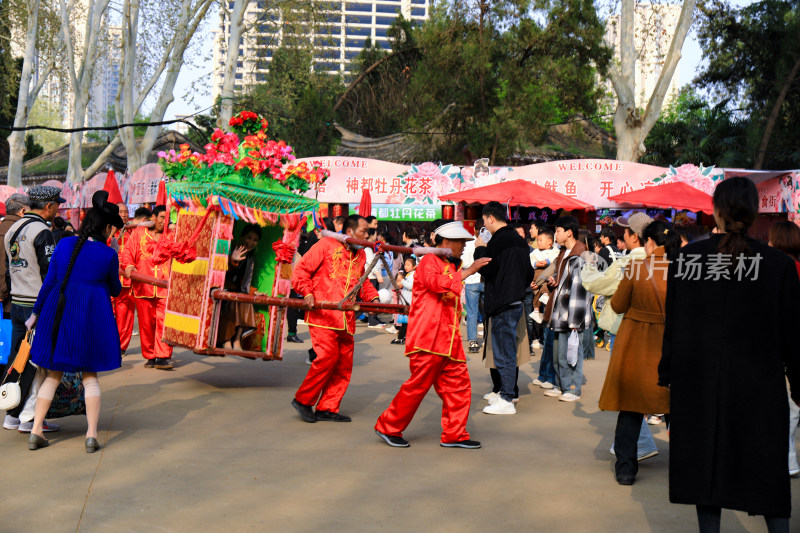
[[773, 116], [16, 141], [630, 125], [232, 57]]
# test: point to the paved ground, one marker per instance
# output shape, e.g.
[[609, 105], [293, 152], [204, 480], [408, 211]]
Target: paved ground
[[215, 446]]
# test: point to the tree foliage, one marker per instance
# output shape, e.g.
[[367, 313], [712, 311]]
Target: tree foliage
[[693, 131], [296, 101], [751, 53], [492, 75]]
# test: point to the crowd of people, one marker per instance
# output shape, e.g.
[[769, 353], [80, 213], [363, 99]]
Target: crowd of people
[[674, 314]]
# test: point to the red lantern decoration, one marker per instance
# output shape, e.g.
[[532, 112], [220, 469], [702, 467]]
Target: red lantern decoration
[[473, 212], [448, 212], [336, 210]]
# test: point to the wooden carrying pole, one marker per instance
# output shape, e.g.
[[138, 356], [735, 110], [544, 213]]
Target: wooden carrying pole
[[296, 303]]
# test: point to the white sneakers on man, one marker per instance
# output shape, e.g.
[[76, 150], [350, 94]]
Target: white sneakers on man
[[489, 396], [553, 393], [500, 407]]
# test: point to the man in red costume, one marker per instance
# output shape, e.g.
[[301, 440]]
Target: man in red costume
[[433, 345], [328, 271], [151, 301], [124, 304]]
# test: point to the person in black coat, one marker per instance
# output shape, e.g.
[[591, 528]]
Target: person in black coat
[[506, 277], [728, 439]]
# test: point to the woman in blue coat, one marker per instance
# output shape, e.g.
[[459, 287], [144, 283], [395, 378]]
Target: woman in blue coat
[[76, 328]]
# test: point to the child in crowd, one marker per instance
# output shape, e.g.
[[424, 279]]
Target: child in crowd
[[405, 278], [540, 260]]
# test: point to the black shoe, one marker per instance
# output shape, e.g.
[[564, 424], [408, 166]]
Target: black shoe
[[625, 480], [474, 347], [294, 338], [311, 355], [395, 442], [151, 363], [470, 444], [306, 412], [92, 445], [398, 341], [164, 364], [35, 441], [330, 416]]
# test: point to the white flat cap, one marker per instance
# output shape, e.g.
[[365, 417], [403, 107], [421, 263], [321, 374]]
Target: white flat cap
[[453, 231]]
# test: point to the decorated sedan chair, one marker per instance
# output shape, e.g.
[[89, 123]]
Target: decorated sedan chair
[[242, 179]]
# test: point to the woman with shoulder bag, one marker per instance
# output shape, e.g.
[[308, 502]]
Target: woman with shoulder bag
[[76, 327], [631, 385]]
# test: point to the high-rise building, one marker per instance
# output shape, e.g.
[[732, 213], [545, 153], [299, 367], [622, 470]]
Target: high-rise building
[[654, 28], [338, 35], [105, 83]]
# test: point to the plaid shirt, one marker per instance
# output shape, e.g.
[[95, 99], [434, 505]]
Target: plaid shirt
[[572, 303]]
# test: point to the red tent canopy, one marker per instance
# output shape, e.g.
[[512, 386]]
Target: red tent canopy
[[675, 195], [517, 192]]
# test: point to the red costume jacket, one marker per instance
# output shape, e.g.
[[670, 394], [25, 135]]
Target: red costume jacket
[[433, 321], [329, 270], [138, 251]]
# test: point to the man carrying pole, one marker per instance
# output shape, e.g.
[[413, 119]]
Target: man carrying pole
[[434, 347], [328, 271]]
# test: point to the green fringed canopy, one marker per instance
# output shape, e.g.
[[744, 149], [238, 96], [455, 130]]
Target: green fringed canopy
[[271, 198]]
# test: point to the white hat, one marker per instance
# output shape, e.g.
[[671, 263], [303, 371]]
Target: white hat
[[454, 231]]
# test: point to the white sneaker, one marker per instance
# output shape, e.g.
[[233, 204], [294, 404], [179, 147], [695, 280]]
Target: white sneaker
[[391, 329], [536, 344], [377, 326], [10, 422], [547, 385], [489, 395], [538, 382], [495, 399], [300, 322], [654, 420], [47, 427], [500, 407], [553, 393], [308, 360], [569, 397]]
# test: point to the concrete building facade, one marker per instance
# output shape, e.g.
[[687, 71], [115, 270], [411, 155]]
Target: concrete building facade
[[337, 34]]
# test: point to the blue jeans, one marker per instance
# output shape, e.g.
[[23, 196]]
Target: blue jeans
[[567, 376], [473, 293], [504, 348], [546, 371], [587, 344], [19, 315]]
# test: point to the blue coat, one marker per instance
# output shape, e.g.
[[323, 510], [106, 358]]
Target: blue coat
[[88, 339]]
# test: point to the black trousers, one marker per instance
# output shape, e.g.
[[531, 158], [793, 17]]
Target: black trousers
[[629, 424], [373, 317], [497, 382], [293, 315]]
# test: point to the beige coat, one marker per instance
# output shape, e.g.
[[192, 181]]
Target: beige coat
[[632, 380]]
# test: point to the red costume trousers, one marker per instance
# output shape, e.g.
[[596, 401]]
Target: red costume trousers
[[450, 380], [124, 307], [329, 375], [151, 327]]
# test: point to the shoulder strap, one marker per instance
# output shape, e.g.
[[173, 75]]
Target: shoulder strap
[[19, 229]]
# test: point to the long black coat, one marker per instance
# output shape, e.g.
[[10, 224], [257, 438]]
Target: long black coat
[[727, 346]]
